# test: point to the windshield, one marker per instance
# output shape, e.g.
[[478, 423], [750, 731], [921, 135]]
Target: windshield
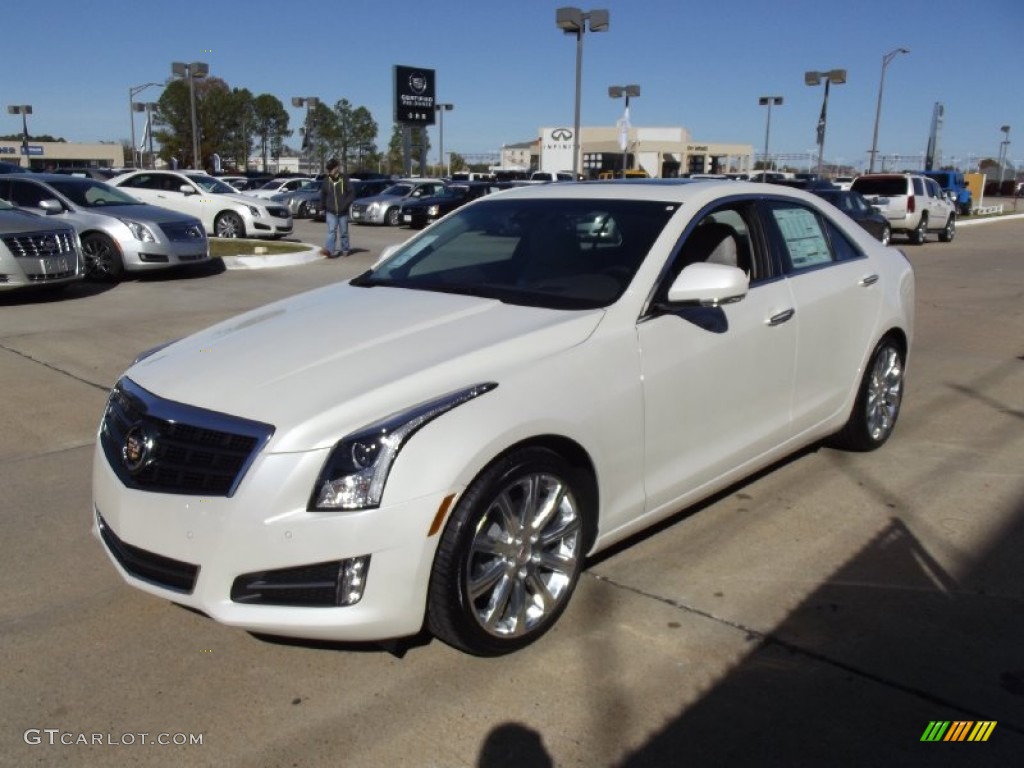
[[92, 194], [210, 184], [560, 254]]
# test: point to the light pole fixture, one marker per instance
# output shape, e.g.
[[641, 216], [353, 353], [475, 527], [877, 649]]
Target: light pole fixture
[[837, 76], [768, 101], [1004, 147], [878, 108], [618, 92], [190, 72], [147, 137], [573, 21], [441, 108], [132, 92], [24, 110], [310, 103]]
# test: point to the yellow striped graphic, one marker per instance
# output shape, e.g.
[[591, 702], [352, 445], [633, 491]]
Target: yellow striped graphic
[[982, 730]]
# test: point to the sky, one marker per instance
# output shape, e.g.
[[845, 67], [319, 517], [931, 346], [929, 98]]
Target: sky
[[509, 71]]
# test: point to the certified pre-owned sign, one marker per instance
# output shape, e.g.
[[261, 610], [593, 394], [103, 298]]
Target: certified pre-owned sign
[[414, 95]]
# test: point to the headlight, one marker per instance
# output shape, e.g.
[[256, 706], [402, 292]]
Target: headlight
[[139, 231], [357, 469], [433, 210], [256, 212]]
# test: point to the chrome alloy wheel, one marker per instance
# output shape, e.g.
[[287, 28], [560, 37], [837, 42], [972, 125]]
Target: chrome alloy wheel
[[884, 393], [525, 554]]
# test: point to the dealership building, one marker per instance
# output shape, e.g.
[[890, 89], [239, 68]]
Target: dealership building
[[62, 154], [661, 152]]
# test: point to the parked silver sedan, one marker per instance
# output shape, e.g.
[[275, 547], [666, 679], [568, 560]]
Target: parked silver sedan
[[119, 234], [36, 253]]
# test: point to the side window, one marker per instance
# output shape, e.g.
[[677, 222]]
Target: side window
[[142, 181], [28, 195], [842, 247], [918, 186], [805, 243], [722, 236]]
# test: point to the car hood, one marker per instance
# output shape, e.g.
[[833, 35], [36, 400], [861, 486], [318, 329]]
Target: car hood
[[16, 221], [143, 212], [320, 364]]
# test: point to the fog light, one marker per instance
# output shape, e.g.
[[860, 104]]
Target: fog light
[[352, 579]]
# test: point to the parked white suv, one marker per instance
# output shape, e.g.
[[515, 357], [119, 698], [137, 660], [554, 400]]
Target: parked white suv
[[913, 204]]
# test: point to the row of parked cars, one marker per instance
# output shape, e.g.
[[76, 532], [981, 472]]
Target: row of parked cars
[[135, 222]]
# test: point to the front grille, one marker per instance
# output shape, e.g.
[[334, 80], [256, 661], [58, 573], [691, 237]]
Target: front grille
[[163, 446], [278, 211], [192, 257], [148, 566], [40, 245], [183, 232]]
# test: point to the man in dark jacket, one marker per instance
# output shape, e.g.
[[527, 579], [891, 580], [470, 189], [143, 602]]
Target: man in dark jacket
[[336, 195]]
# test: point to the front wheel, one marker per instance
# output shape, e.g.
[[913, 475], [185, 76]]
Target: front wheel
[[949, 231], [391, 217], [102, 258], [878, 401], [229, 224], [512, 553]]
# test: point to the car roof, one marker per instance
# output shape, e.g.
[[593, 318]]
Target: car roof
[[697, 191]]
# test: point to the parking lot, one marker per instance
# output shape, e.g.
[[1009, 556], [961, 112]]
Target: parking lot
[[822, 613]]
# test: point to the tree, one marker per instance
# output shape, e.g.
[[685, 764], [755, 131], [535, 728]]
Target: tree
[[356, 132], [271, 125]]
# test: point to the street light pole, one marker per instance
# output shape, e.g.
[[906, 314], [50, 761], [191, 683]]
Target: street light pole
[[441, 108], [24, 110], [1004, 146], [190, 72], [768, 101], [618, 92], [837, 76], [573, 21], [310, 103], [886, 59], [132, 91]]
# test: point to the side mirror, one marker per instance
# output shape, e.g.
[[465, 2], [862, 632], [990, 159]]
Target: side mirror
[[51, 206], [708, 285], [187, 189]]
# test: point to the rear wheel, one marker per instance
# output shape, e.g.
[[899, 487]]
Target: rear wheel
[[949, 231], [102, 258], [878, 401], [511, 555], [919, 234], [303, 211]]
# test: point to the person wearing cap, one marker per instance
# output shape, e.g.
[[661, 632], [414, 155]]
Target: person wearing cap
[[336, 196]]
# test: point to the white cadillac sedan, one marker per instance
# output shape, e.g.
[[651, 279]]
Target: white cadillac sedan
[[224, 211], [441, 442]]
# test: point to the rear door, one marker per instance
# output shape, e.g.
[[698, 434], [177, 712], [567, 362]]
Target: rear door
[[837, 298]]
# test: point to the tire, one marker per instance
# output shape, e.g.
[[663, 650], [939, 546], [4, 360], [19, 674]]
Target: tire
[[878, 402], [511, 554], [303, 211], [886, 237], [228, 224], [949, 231], [391, 216], [919, 234], [103, 260]]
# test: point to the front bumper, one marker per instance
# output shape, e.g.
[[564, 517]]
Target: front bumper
[[207, 543]]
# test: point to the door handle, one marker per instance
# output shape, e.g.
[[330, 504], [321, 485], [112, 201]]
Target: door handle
[[869, 280], [781, 317]]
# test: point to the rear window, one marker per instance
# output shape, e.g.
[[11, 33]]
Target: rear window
[[885, 186]]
